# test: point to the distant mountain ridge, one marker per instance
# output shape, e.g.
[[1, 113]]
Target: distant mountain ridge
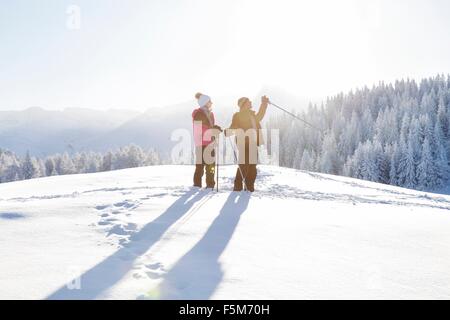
[[43, 132], [46, 132]]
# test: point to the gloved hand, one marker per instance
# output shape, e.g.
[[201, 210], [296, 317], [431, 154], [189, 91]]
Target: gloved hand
[[218, 128]]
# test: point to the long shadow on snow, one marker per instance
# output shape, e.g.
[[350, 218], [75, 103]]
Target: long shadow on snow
[[111, 270], [198, 273]]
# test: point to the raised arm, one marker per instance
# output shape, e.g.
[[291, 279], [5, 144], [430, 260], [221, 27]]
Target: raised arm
[[262, 109]]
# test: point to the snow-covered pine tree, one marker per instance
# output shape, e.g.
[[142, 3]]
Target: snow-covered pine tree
[[409, 174], [398, 116], [382, 162], [9, 167], [395, 155], [307, 161], [107, 161], [426, 171], [29, 168], [50, 167], [439, 154], [12, 168], [328, 160]]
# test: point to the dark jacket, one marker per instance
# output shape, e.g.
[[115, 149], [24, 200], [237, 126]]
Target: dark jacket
[[249, 119]]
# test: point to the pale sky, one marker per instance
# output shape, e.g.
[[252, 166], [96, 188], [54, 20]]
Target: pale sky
[[139, 54]]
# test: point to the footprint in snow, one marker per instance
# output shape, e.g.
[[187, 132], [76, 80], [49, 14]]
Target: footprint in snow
[[154, 266], [103, 207], [122, 230], [105, 221], [153, 275], [126, 204], [151, 271], [117, 208]]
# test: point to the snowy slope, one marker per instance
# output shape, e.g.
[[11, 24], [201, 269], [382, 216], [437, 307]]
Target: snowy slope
[[143, 234]]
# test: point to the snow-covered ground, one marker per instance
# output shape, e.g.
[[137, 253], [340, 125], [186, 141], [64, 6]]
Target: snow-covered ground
[[144, 234]]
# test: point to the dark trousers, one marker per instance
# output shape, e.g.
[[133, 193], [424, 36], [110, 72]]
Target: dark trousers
[[246, 173], [200, 168]]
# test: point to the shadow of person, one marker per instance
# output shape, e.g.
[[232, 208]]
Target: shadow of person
[[111, 270], [198, 273]]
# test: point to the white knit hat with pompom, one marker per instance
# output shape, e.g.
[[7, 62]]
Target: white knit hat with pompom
[[203, 99]]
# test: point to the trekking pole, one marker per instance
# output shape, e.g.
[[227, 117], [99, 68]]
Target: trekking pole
[[296, 117], [239, 166], [217, 161]]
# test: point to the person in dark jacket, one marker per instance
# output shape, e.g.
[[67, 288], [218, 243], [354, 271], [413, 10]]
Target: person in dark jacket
[[205, 131], [246, 125]]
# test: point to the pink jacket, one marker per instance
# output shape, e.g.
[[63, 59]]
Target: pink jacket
[[201, 124]]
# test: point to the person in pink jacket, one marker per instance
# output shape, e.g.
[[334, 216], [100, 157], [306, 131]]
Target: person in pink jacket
[[203, 126]]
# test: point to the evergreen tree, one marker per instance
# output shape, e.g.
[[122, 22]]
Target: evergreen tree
[[393, 170], [12, 168], [29, 169], [409, 176], [50, 167], [328, 162], [426, 172], [107, 161], [307, 161], [439, 154], [376, 134]]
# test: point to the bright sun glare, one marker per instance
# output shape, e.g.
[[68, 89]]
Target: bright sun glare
[[154, 54]]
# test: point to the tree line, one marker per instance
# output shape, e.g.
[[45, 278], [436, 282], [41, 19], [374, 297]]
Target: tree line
[[395, 134], [15, 168]]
